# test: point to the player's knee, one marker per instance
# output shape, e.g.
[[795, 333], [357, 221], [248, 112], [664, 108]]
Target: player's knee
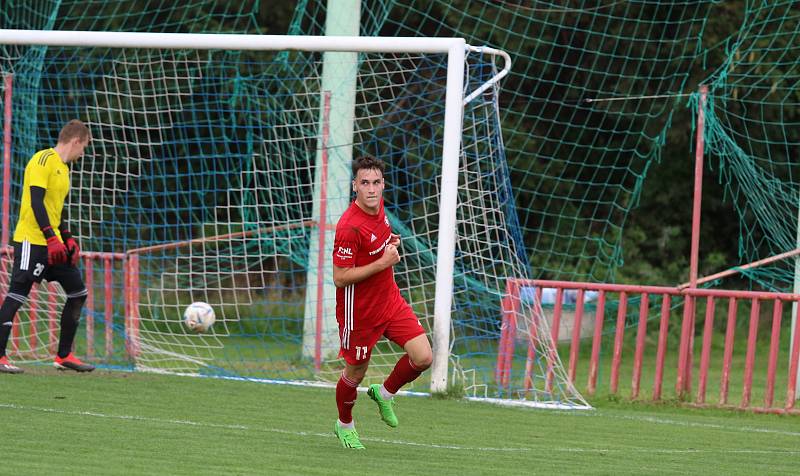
[[74, 305], [16, 296], [355, 373], [9, 307], [422, 362]]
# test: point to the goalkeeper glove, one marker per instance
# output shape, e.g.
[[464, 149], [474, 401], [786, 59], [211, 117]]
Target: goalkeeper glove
[[73, 250], [56, 251]]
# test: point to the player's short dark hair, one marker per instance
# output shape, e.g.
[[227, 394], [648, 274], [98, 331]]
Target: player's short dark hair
[[368, 162], [74, 128]]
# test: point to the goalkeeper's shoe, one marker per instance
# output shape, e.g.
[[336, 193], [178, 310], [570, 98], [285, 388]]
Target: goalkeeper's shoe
[[384, 406], [7, 367], [348, 438], [70, 362]]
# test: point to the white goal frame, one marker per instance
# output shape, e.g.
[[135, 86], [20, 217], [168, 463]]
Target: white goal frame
[[456, 50]]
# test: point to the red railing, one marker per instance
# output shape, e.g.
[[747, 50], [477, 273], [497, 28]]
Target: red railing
[[511, 313], [99, 275]]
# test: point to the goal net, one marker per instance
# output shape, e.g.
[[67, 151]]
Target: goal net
[[218, 175]]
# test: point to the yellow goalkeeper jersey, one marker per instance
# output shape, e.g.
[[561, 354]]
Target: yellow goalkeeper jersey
[[46, 170]]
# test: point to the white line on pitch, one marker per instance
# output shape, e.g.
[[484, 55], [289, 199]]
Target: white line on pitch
[[692, 424], [245, 428], [622, 449]]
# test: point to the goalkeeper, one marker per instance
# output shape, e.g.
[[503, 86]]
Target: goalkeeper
[[43, 246], [369, 304]]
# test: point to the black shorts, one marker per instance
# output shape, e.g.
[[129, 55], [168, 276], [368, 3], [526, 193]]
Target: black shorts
[[30, 266]]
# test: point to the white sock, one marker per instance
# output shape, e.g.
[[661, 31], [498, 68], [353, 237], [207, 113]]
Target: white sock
[[347, 426], [385, 394]]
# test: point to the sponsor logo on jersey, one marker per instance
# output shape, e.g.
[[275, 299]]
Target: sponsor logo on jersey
[[372, 237], [344, 253], [380, 248]]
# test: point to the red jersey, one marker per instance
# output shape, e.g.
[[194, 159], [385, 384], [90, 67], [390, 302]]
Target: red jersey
[[361, 238]]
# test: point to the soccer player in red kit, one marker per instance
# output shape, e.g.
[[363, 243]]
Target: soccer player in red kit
[[369, 304]]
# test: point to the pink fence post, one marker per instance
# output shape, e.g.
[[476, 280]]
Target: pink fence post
[[598, 335], [730, 330], [551, 359], [749, 361], [108, 307], [509, 307], [87, 264], [683, 385], [533, 335], [683, 349], [618, 335], [321, 257], [687, 382], [641, 331], [774, 344], [576, 336], [33, 313], [705, 353], [132, 318], [33, 340], [7, 87], [661, 351], [794, 362]]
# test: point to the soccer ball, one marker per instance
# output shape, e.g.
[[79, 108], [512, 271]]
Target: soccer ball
[[199, 317]]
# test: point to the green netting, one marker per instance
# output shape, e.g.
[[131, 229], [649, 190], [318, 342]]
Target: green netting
[[753, 136], [578, 139]]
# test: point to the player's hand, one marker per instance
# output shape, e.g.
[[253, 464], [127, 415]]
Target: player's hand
[[73, 250], [390, 255], [56, 251], [395, 240]]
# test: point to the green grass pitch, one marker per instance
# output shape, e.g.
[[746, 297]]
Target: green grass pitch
[[138, 423]]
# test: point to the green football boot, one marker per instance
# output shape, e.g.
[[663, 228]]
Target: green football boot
[[348, 438], [384, 406]]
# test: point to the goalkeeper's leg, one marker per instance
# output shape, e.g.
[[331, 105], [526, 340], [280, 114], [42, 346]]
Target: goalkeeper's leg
[[17, 296], [70, 279]]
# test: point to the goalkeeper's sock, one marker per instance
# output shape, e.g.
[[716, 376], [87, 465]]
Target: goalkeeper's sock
[[403, 373], [346, 394]]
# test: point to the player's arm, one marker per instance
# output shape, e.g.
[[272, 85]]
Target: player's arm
[[346, 245], [346, 276], [56, 251], [39, 211]]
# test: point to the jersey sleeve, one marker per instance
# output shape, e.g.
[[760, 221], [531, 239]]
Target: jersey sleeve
[[345, 246], [39, 172]]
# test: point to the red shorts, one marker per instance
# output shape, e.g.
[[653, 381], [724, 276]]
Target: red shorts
[[357, 343]]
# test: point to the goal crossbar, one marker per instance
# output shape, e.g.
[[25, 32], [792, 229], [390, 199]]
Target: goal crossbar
[[230, 41]]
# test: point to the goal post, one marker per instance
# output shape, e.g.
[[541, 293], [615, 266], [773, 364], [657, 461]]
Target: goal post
[[203, 174]]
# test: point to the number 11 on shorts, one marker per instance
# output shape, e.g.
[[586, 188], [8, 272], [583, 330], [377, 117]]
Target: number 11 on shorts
[[361, 352]]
